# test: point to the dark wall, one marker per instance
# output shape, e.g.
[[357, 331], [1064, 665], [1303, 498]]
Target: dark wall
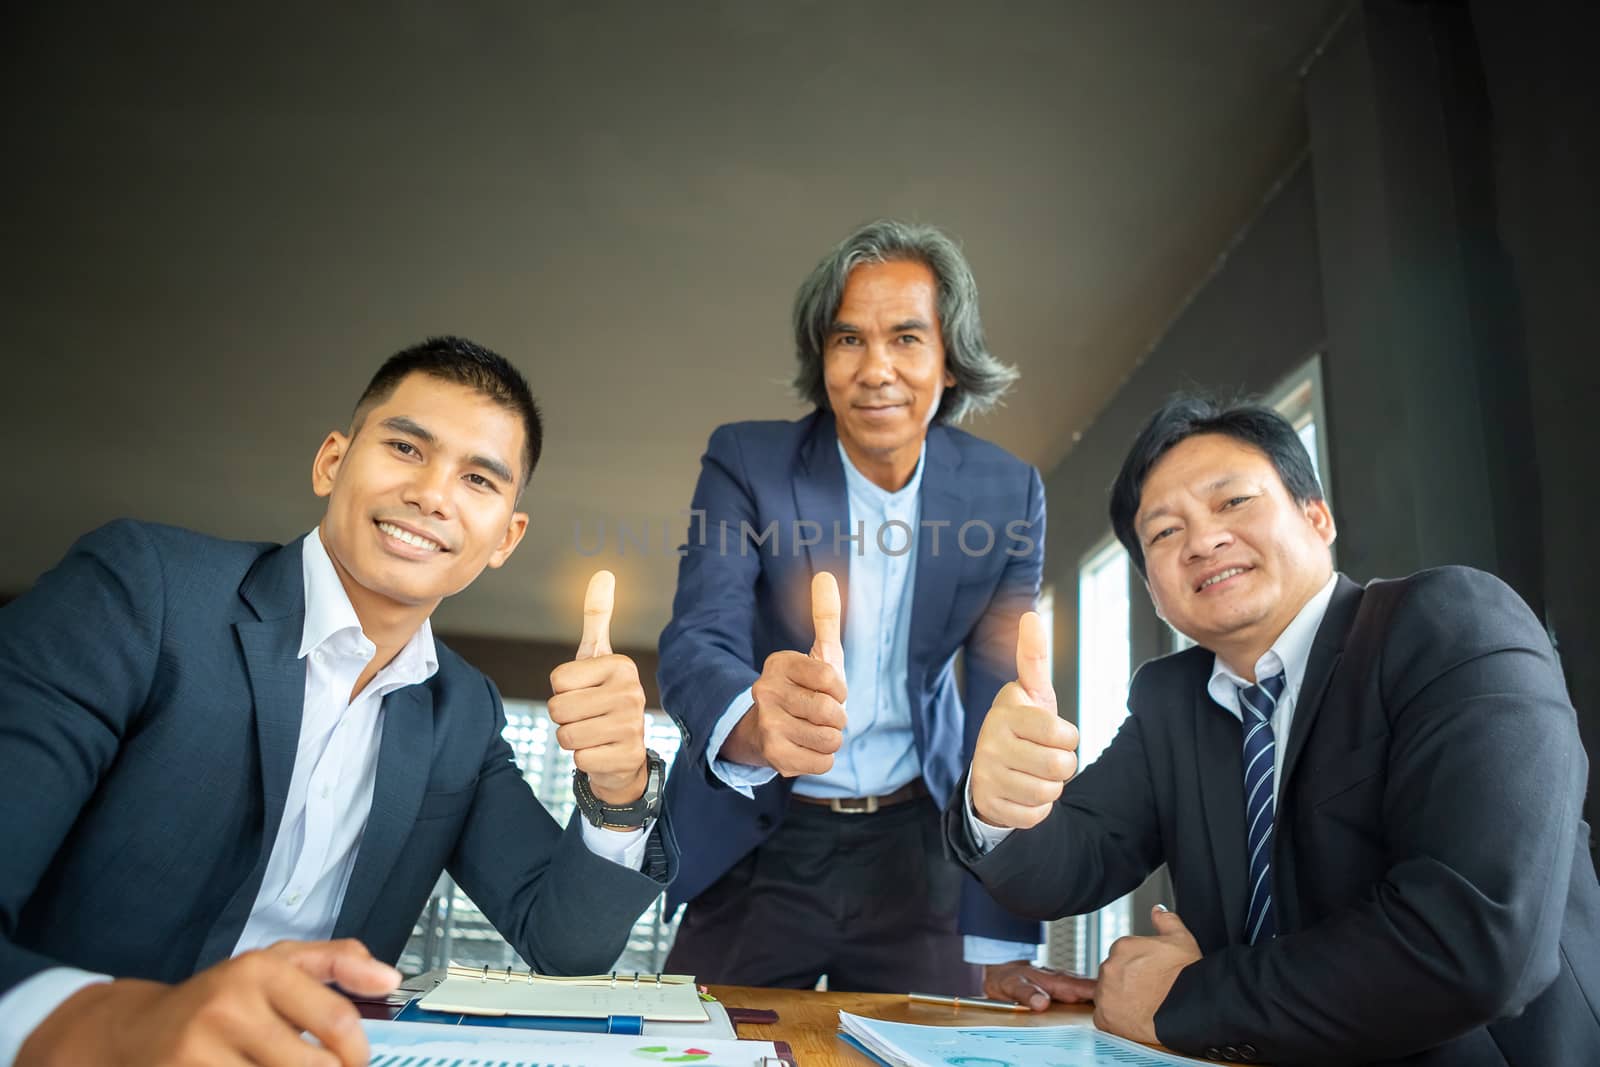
[[1440, 248], [1255, 321]]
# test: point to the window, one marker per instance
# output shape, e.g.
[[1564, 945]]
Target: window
[[1298, 398], [1104, 665], [452, 929]]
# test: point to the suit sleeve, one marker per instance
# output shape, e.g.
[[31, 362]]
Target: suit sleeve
[[708, 650], [1101, 840], [1480, 815], [990, 656], [564, 909], [78, 658]]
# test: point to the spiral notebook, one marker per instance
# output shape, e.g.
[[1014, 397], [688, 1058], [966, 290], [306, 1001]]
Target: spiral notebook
[[484, 991]]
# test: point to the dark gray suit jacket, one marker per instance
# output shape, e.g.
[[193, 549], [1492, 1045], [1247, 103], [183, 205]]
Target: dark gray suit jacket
[[1433, 886], [150, 705]]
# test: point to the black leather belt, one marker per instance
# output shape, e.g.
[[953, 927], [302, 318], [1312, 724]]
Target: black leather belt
[[912, 790]]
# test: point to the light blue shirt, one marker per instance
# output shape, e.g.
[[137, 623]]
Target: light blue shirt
[[879, 754]]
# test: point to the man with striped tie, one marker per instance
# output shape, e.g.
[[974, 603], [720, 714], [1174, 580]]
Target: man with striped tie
[[1369, 798]]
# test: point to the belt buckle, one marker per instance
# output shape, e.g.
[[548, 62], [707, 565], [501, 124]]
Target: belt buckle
[[853, 805]]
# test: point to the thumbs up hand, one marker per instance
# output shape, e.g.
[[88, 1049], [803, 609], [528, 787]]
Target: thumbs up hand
[[597, 704], [1025, 752], [798, 720]]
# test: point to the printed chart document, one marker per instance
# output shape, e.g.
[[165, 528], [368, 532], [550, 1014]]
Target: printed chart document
[[909, 1045], [425, 1045]]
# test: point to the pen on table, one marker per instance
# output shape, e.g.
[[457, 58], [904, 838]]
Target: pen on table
[[967, 1002]]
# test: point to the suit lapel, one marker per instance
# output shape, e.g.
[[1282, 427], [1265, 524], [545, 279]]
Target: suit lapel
[[820, 497], [1327, 648], [1219, 742], [404, 756], [938, 569], [275, 591]]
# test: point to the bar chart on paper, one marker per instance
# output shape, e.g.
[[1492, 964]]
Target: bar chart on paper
[[426, 1045]]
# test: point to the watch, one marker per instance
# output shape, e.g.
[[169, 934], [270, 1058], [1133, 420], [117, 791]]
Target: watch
[[622, 816]]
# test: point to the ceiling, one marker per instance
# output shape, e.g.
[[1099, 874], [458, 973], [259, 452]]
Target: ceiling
[[221, 221]]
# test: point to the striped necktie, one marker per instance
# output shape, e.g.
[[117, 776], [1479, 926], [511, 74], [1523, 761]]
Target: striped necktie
[[1256, 703]]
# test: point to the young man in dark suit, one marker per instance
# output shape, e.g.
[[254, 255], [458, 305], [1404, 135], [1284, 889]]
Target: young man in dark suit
[[217, 756], [825, 729], [1368, 798]]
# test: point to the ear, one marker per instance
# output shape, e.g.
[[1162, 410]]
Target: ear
[[325, 467], [1321, 520], [949, 378], [508, 544]]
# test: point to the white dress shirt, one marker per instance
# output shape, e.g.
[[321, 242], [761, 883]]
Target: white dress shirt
[[330, 793], [1289, 653]]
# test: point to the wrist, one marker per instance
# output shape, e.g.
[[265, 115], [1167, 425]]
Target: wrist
[[78, 1030], [619, 789], [743, 743]]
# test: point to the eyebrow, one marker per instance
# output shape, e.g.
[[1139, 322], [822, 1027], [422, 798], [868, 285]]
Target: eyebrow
[[910, 324], [412, 428], [1211, 487]]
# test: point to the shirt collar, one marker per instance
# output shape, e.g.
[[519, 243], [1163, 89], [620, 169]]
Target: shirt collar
[[860, 484], [1289, 653], [331, 621]]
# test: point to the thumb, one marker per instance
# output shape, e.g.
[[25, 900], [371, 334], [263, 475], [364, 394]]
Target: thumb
[[1033, 661], [825, 611], [597, 604], [1167, 922]]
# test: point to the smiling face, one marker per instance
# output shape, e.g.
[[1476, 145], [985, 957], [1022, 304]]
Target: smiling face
[[421, 498], [1230, 558], [883, 366]]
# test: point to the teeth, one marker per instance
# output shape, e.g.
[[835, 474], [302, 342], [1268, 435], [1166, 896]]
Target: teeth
[[1215, 578], [408, 537]]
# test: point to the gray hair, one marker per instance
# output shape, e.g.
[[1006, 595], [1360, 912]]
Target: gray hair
[[981, 380]]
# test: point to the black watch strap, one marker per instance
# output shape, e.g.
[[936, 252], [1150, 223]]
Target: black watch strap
[[622, 816]]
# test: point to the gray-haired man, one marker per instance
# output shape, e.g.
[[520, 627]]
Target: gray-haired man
[[827, 729]]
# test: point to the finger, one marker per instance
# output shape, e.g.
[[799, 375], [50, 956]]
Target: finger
[[345, 962], [309, 1006], [1167, 922], [1033, 661], [1065, 988], [1018, 987], [803, 673], [790, 760], [1042, 761], [598, 673], [825, 613], [818, 708], [1041, 727], [1008, 814], [601, 730], [597, 604]]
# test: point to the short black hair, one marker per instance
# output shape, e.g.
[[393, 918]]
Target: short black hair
[[1188, 415], [458, 360]]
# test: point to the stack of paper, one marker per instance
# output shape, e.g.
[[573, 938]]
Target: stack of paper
[[907, 1045]]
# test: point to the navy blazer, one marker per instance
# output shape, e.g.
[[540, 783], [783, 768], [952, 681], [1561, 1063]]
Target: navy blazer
[[1435, 897], [739, 601], [150, 706]]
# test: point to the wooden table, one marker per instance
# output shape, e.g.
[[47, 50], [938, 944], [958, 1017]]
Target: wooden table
[[809, 1020]]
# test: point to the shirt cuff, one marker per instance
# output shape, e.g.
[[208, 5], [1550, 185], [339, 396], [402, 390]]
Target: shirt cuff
[[622, 847], [739, 777], [988, 950], [31, 1001], [986, 836]]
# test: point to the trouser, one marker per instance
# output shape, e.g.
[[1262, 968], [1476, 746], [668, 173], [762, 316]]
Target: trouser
[[867, 899]]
